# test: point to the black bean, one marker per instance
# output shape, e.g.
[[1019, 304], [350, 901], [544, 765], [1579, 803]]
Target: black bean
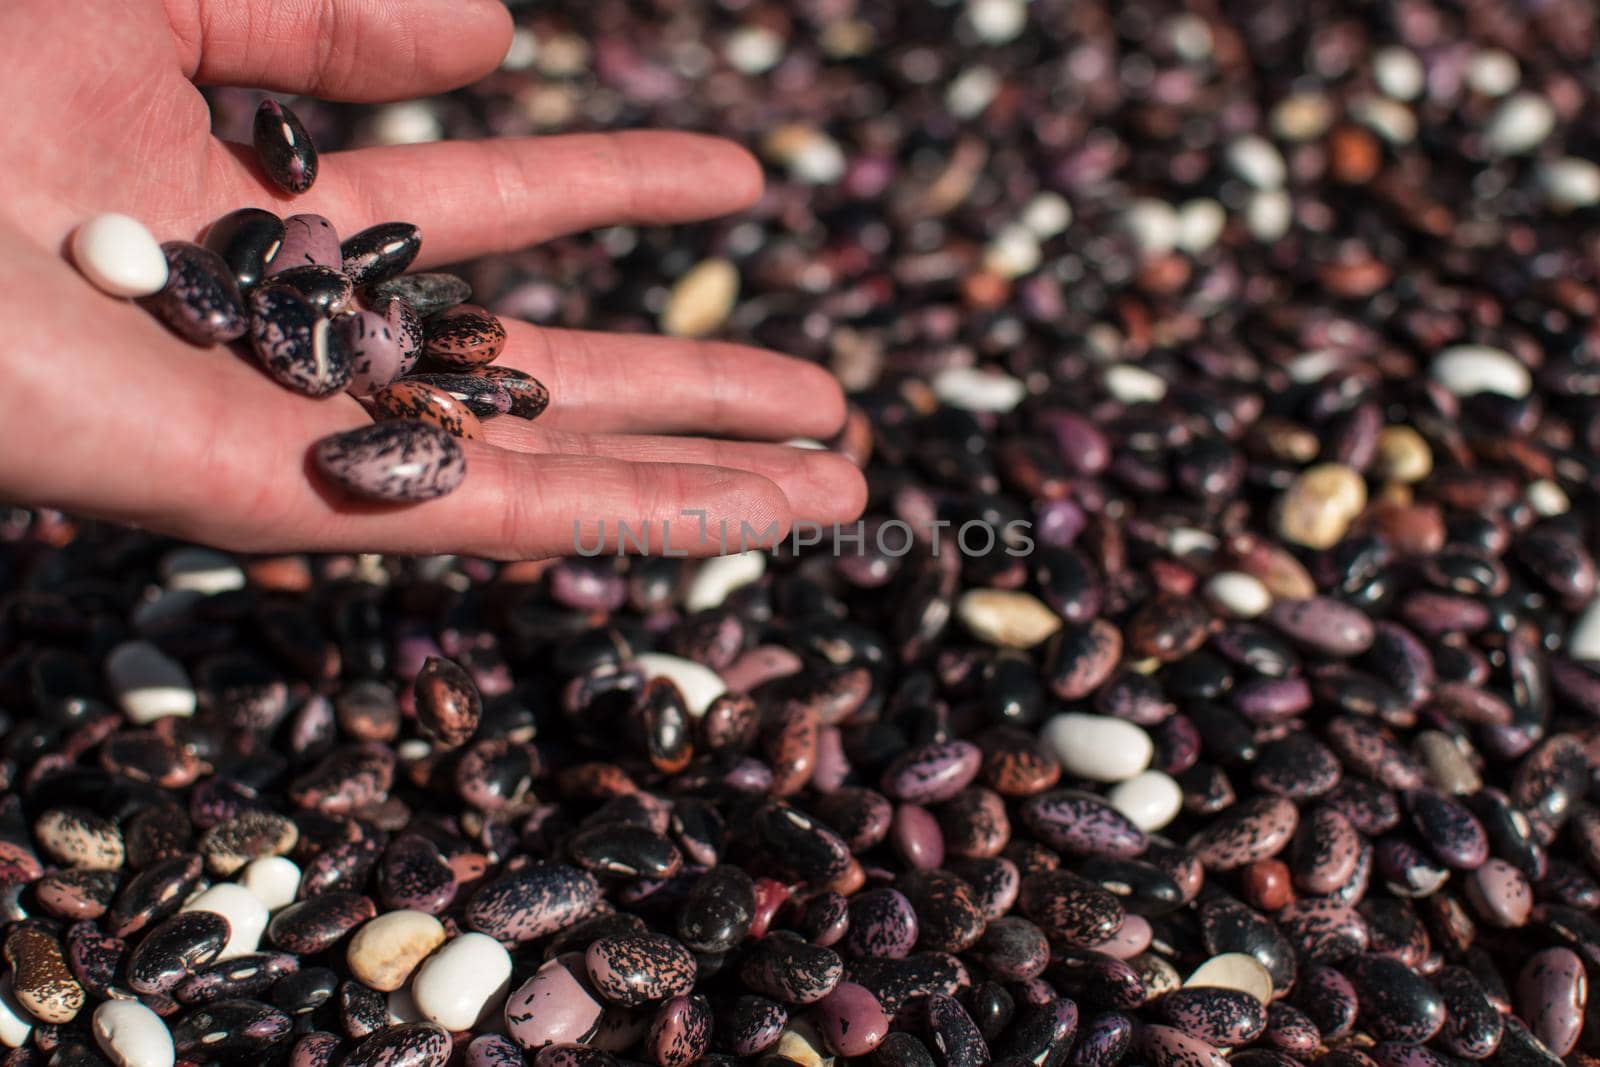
[[284, 148]]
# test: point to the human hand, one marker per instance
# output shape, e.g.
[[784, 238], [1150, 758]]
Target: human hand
[[106, 414]]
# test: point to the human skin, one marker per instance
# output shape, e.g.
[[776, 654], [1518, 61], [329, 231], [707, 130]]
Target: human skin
[[106, 414]]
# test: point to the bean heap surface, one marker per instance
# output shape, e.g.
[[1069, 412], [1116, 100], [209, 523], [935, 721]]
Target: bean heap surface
[[1277, 746]]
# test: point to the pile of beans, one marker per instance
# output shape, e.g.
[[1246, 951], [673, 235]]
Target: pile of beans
[[321, 317], [1276, 745]]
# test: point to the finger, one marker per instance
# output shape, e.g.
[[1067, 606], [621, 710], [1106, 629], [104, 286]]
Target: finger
[[261, 493], [821, 486], [518, 506], [510, 506], [474, 198], [627, 383], [360, 50]]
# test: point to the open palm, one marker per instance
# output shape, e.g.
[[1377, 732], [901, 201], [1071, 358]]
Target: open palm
[[105, 413]]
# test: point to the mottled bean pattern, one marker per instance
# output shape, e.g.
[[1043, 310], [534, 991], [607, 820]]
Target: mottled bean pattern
[[464, 336], [201, 301], [404, 461], [428, 293], [411, 399], [529, 397], [296, 344]]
